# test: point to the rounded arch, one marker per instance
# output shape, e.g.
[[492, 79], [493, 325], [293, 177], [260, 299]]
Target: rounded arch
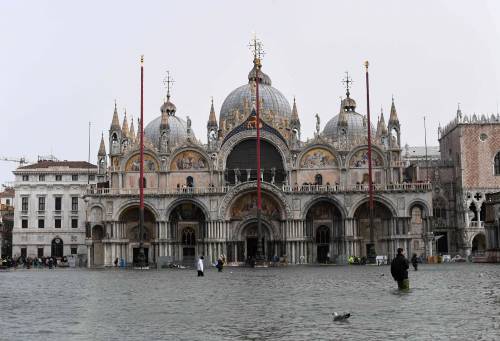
[[97, 232], [242, 225], [478, 242], [358, 151], [134, 202], [426, 210], [174, 204], [234, 140], [130, 161], [333, 200], [57, 247], [310, 148], [377, 199], [96, 212], [496, 164], [199, 159], [239, 190]]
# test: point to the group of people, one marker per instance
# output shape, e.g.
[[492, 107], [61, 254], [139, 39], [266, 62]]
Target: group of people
[[219, 264], [31, 262]]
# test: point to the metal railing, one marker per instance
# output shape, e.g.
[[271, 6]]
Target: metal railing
[[403, 187]]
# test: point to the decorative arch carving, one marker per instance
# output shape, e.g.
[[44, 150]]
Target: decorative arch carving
[[317, 157], [134, 202], [193, 201], [132, 163], [273, 231], [277, 142], [189, 159], [377, 198], [358, 158], [239, 190], [419, 202], [331, 199]]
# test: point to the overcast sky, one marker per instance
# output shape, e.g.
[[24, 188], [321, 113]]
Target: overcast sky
[[65, 62]]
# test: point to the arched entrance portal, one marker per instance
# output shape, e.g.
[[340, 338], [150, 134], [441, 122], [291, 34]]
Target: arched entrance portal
[[241, 164], [478, 244], [324, 224], [57, 248], [249, 236], [374, 241], [187, 223], [130, 219]]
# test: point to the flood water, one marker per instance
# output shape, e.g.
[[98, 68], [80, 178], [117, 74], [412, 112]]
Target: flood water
[[446, 302]]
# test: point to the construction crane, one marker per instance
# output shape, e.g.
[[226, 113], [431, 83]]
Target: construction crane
[[22, 160]]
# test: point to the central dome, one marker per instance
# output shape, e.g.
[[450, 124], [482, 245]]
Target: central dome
[[178, 130], [272, 99]]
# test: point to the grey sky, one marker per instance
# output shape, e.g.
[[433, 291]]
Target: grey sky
[[63, 63]]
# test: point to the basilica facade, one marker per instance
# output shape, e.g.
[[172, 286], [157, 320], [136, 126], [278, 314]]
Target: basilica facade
[[201, 198]]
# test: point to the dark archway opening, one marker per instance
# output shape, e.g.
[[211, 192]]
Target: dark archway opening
[[57, 248], [241, 164], [131, 217], [324, 224], [187, 224]]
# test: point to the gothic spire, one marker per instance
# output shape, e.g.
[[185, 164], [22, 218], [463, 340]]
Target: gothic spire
[[125, 125], [115, 123], [102, 147], [212, 119], [138, 137], [394, 115], [381, 127], [132, 129], [295, 113]]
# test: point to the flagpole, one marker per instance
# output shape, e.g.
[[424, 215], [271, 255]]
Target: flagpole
[[141, 257], [370, 181], [259, 190]]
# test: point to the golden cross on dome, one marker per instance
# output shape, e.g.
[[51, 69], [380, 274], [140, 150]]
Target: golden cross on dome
[[347, 81], [168, 81], [256, 47]]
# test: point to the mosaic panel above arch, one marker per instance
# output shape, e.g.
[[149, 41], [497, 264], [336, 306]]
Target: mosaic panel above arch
[[318, 158], [189, 160], [134, 163], [360, 159], [246, 206]]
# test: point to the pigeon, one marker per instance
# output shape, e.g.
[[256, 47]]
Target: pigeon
[[341, 317]]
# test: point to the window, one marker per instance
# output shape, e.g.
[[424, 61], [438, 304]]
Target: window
[[41, 203], [58, 177], [57, 203], [26, 178], [497, 164], [24, 203], [24, 252], [24, 223], [318, 179], [7, 202], [40, 252], [74, 177], [41, 223], [74, 223], [74, 203], [74, 250], [41, 177], [57, 223], [188, 237], [416, 215], [91, 177]]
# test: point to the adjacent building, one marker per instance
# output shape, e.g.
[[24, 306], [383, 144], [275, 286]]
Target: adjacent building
[[50, 214], [6, 221]]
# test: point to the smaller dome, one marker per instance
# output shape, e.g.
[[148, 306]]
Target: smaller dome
[[263, 78], [177, 126], [348, 104], [168, 107]]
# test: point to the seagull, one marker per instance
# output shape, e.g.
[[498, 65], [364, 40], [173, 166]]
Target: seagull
[[341, 317]]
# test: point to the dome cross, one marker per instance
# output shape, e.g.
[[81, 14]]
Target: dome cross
[[167, 82], [348, 82]]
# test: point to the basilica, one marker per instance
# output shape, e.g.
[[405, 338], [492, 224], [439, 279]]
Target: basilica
[[201, 198]]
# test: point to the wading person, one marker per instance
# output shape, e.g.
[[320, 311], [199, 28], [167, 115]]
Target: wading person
[[220, 264], [399, 270], [199, 266], [414, 261]]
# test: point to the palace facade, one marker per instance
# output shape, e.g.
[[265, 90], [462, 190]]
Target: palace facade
[[201, 198]]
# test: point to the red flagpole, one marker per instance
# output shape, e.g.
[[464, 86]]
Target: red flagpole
[[370, 181], [259, 192], [141, 173]]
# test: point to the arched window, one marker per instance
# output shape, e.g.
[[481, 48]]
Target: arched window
[[114, 138], [497, 164], [189, 181], [188, 237], [416, 215], [318, 179]]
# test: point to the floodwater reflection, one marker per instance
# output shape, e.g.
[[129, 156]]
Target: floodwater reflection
[[451, 301]]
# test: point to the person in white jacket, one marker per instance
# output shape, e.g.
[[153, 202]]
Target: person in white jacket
[[199, 266]]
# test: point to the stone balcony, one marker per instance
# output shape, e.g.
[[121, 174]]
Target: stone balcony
[[305, 189]]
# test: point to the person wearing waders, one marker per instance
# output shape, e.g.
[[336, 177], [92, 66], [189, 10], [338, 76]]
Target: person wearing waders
[[414, 261], [399, 270], [199, 266]]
